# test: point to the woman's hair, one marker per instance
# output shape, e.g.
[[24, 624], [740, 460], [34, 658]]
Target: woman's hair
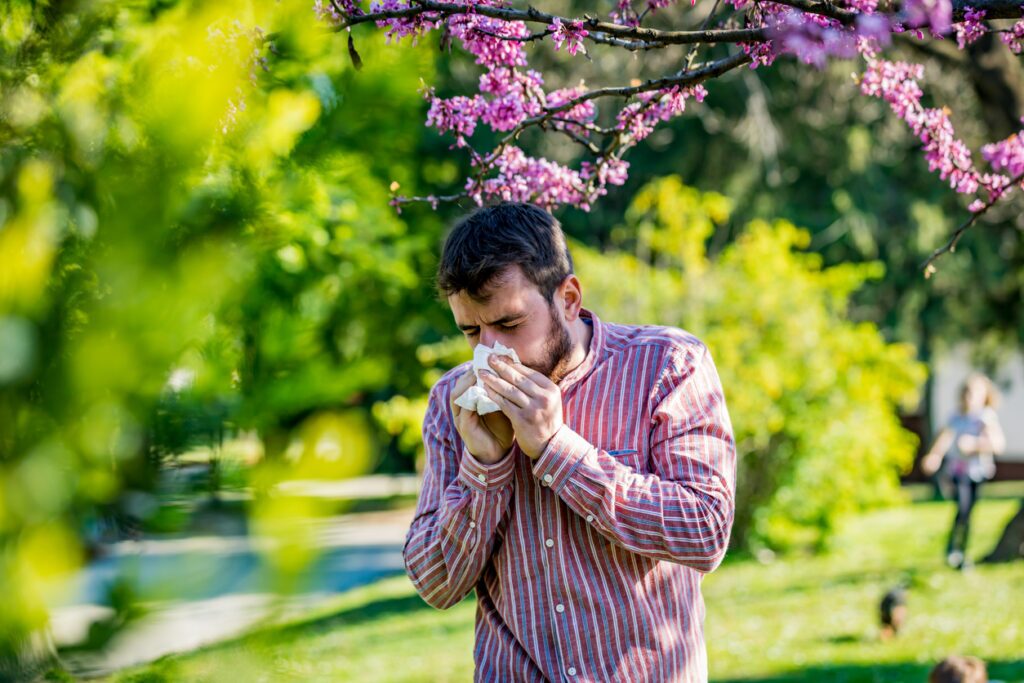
[[957, 669], [489, 240], [991, 392]]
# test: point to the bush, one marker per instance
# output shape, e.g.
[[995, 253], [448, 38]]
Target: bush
[[813, 394]]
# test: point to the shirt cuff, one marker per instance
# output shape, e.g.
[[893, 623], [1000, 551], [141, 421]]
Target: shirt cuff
[[484, 478], [560, 458]]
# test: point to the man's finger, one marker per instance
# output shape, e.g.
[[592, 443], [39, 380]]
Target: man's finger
[[499, 388], [516, 375]]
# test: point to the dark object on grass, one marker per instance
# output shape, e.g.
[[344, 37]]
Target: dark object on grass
[[958, 669], [1011, 544], [893, 611]]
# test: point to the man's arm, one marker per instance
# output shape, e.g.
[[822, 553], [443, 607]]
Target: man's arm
[[461, 502], [683, 512]]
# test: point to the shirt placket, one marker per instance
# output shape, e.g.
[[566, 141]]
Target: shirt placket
[[551, 553]]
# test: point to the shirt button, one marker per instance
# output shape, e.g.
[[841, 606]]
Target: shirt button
[[548, 479], [572, 671], [559, 608], [482, 477], [590, 518], [472, 525], [549, 543]]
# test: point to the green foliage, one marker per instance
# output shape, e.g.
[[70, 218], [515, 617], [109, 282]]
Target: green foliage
[[180, 199], [812, 394]]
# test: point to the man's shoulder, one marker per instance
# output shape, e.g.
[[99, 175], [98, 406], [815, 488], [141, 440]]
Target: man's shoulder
[[443, 386], [671, 343]]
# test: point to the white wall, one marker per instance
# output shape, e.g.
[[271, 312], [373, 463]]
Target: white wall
[[951, 369]]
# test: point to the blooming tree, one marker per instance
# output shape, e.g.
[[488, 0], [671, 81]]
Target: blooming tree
[[722, 36]]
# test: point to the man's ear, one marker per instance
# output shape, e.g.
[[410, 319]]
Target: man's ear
[[572, 297]]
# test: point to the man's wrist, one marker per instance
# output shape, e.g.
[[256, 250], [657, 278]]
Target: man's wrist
[[486, 476]]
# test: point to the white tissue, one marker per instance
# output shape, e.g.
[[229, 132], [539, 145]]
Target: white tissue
[[475, 398]]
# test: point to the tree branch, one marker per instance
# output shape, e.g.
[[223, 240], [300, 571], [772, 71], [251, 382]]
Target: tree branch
[[534, 16]]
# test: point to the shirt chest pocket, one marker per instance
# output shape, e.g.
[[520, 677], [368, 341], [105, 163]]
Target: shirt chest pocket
[[630, 457]]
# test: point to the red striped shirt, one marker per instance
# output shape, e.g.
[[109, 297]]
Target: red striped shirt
[[587, 562]]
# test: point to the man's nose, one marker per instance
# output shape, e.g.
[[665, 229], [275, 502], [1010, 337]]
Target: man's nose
[[488, 337]]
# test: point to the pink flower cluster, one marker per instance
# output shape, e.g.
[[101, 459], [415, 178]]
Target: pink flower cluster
[[639, 118], [524, 178], [812, 38], [1007, 155], [896, 83], [414, 26], [569, 34], [510, 95], [935, 15], [582, 113], [326, 10], [971, 28], [486, 38], [1014, 39]]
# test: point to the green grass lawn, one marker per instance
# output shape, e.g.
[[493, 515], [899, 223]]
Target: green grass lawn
[[795, 619]]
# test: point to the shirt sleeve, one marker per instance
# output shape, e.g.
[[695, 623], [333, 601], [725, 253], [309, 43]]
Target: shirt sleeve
[[460, 505], [682, 511]]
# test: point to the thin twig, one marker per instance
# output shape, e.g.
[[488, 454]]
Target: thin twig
[[950, 246]]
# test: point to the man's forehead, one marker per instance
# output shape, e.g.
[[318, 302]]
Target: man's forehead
[[494, 313]]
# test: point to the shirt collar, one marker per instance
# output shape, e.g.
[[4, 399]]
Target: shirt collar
[[595, 351]]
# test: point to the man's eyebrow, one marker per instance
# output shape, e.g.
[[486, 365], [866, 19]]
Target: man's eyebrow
[[504, 319]]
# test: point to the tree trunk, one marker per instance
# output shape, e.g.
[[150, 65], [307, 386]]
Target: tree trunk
[[1011, 544]]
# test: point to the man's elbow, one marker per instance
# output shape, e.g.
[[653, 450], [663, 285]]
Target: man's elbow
[[435, 590], [715, 542]]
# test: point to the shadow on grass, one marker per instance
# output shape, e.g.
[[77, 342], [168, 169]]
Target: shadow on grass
[[1011, 672], [355, 616]]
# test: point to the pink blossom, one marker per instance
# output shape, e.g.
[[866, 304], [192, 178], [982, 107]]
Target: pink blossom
[[414, 26], [896, 83], [570, 34], [478, 32], [517, 96], [1015, 38], [936, 15], [863, 6], [639, 118], [874, 27], [655, 5], [456, 115], [584, 112], [1006, 154], [971, 28], [761, 54], [327, 11], [625, 14]]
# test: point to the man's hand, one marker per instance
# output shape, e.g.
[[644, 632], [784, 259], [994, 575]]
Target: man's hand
[[487, 437], [532, 402]]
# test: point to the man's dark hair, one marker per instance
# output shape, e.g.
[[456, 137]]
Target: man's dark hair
[[492, 238], [959, 669]]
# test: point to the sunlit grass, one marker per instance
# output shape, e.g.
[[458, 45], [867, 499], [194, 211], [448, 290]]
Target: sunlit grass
[[796, 619]]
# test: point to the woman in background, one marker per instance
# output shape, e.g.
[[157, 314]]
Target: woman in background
[[967, 446]]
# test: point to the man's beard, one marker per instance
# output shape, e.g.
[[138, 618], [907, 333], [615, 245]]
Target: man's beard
[[557, 349]]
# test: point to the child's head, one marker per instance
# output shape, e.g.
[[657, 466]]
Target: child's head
[[977, 392], [959, 669]]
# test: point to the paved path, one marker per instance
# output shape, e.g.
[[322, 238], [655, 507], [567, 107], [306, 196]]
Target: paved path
[[204, 589]]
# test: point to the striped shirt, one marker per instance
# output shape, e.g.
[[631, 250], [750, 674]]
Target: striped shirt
[[587, 562]]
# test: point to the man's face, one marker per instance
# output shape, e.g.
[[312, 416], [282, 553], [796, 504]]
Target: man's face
[[517, 315]]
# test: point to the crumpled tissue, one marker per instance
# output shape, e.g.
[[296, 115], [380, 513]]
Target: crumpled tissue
[[475, 398]]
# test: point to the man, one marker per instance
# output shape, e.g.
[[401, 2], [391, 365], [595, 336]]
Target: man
[[587, 510]]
